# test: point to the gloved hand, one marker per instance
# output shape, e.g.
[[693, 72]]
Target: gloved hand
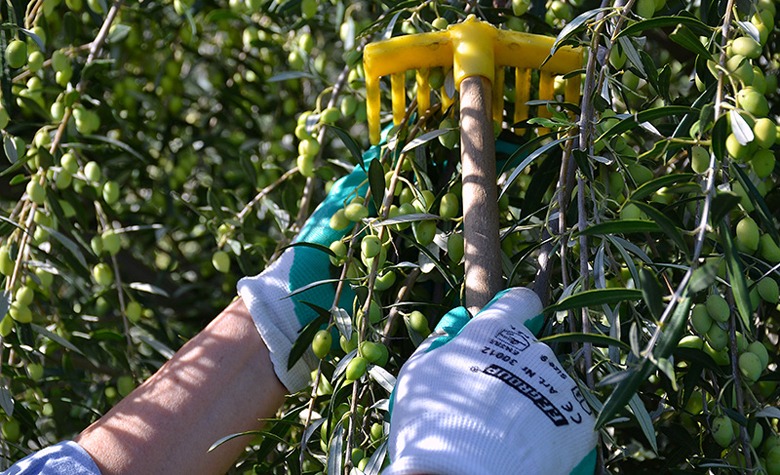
[[278, 316], [483, 396]]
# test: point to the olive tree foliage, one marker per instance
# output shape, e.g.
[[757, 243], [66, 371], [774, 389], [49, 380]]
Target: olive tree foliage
[[153, 153]]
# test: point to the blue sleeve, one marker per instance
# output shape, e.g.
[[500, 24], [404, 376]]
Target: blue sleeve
[[65, 458]]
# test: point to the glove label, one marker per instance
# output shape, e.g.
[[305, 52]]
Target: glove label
[[543, 382], [520, 385]]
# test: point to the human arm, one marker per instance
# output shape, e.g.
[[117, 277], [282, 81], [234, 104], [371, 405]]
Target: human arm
[[219, 383]]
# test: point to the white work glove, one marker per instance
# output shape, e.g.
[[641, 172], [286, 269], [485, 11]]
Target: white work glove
[[483, 396], [280, 317]]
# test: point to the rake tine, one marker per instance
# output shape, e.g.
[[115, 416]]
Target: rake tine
[[423, 91], [399, 96], [522, 96]]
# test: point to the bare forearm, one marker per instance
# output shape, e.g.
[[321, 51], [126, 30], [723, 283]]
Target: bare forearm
[[221, 382]]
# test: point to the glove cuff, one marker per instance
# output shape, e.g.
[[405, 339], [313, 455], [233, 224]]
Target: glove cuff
[[266, 296]]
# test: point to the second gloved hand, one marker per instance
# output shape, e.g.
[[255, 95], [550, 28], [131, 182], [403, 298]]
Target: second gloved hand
[[483, 396], [274, 297]]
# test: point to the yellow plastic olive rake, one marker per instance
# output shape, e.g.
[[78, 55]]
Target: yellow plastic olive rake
[[478, 54]]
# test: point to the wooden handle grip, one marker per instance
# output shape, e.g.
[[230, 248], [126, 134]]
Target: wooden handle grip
[[480, 194]]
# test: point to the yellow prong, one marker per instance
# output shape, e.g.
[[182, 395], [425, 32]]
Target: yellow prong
[[423, 91], [546, 92], [498, 96], [522, 95], [399, 96], [373, 101]]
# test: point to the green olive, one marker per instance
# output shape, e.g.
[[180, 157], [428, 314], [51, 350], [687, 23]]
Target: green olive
[[747, 235], [750, 366], [356, 368], [321, 343], [355, 212], [221, 261], [700, 319], [746, 46], [449, 207], [419, 323], [424, 232], [722, 431], [16, 54]]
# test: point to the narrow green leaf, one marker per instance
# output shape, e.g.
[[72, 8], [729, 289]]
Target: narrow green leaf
[[214, 203], [719, 133], [597, 340], [9, 145], [311, 245], [336, 451], [36, 38], [571, 28], [664, 22], [248, 169], [5, 304], [769, 412], [636, 375], [643, 418], [581, 159], [683, 36], [118, 33], [148, 288], [306, 436], [377, 460], [425, 138], [621, 226], [342, 365], [376, 180], [305, 337], [722, 204], [381, 376], [736, 275], [645, 116], [94, 66], [651, 292], [664, 79], [6, 401], [164, 350], [230, 437], [666, 224], [595, 297], [284, 76], [18, 179], [740, 128], [703, 277], [667, 368], [343, 321], [350, 143], [528, 160], [650, 187], [634, 57], [56, 338], [408, 218], [68, 243]]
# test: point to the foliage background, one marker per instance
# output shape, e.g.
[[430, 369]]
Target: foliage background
[[190, 109]]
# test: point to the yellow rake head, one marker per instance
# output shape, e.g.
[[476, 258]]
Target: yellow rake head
[[470, 48]]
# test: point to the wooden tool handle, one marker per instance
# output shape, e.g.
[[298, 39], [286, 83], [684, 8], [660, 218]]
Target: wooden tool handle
[[480, 193]]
